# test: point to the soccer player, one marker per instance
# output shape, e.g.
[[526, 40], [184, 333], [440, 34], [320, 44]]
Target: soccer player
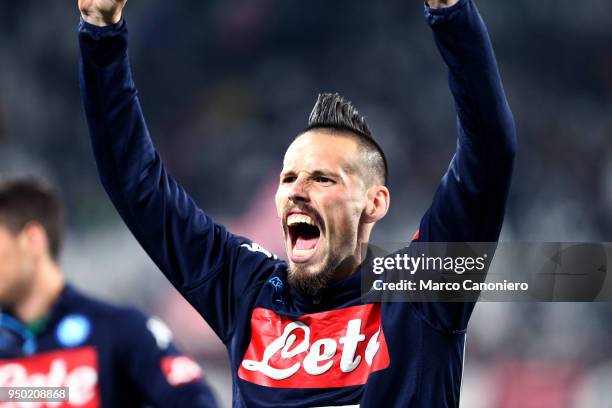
[[51, 335], [297, 331]]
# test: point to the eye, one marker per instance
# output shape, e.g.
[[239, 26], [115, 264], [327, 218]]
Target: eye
[[323, 180], [288, 179]]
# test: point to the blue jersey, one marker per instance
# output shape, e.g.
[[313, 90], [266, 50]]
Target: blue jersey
[[330, 348], [107, 356]]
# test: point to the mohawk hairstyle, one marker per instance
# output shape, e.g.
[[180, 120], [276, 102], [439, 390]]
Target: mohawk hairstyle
[[331, 111]]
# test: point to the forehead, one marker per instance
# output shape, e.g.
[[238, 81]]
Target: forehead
[[317, 149]]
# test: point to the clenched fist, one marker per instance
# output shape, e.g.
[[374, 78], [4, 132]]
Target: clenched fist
[[435, 4], [101, 12]]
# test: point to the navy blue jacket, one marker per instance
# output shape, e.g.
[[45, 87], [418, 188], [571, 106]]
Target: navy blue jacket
[[108, 356], [329, 349]]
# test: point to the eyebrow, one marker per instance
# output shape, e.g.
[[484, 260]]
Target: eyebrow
[[314, 173], [326, 173]]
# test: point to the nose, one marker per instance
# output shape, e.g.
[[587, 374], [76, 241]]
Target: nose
[[299, 189]]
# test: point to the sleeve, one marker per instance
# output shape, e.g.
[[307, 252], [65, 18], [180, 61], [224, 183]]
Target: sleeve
[[157, 371], [199, 257], [469, 203]]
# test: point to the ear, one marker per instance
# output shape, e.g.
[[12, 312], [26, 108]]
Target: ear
[[378, 200], [33, 239]]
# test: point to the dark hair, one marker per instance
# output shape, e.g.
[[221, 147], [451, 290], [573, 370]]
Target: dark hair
[[332, 112], [28, 199]]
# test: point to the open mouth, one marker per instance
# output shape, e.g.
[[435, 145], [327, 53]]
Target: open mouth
[[304, 235]]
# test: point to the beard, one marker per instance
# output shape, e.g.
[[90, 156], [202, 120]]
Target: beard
[[309, 281]]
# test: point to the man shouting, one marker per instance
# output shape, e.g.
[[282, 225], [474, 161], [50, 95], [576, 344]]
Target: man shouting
[[297, 331]]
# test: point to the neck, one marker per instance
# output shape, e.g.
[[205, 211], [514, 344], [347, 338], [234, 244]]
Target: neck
[[46, 286], [350, 265], [346, 268]]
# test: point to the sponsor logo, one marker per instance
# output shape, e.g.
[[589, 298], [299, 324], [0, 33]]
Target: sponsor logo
[[180, 370], [76, 369], [337, 348]]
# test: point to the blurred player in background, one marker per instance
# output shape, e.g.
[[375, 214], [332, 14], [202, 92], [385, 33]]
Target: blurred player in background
[[52, 335], [298, 332]]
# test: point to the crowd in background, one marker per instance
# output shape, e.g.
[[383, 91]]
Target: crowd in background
[[226, 85]]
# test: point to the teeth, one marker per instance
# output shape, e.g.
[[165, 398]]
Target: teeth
[[302, 252], [299, 218]]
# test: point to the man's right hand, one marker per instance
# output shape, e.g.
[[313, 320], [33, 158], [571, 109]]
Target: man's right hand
[[101, 12]]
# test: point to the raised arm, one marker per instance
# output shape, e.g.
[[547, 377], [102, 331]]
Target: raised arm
[[196, 255], [470, 201]]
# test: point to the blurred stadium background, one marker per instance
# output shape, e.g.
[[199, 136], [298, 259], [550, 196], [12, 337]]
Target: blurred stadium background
[[225, 85]]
